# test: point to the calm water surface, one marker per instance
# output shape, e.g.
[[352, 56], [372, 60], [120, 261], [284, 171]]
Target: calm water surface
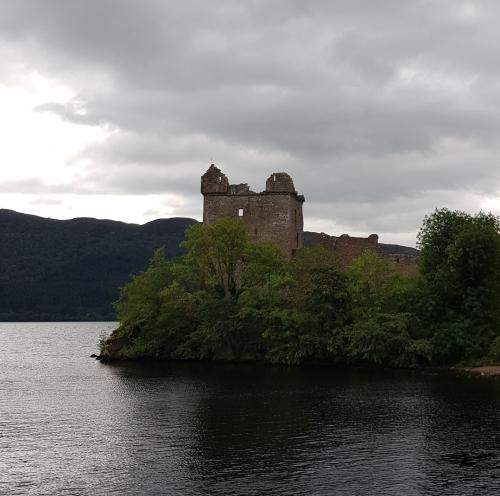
[[71, 425]]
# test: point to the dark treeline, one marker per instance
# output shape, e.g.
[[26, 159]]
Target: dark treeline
[[71, 269], [228, 299]]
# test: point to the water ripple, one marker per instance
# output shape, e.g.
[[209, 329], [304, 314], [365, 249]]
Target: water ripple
[[70, 425]]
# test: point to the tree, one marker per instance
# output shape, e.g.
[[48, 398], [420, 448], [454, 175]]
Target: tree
[[215, 251], [385, 328], [308, 312], [460, 281], [263, 264], [140, 299], [371, 281], [138, 308]]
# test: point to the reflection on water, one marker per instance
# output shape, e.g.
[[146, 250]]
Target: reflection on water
[[71, 425]]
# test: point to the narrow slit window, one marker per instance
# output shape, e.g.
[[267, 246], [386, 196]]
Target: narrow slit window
[[297, 240], [240, 212], [295, 218]]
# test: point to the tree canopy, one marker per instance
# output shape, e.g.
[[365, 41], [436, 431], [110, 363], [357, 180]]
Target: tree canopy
[[460, 282], [229, 299]]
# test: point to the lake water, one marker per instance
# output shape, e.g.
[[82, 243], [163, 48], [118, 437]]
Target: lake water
[[71, 425]]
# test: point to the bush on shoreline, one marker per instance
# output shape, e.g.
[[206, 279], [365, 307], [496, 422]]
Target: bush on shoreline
[[229, 299]]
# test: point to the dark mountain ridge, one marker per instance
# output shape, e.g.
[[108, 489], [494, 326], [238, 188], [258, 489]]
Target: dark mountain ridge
[[72, 269]]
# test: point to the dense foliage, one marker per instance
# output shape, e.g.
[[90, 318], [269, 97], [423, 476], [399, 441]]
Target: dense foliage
[[460, 283], [229, 299]]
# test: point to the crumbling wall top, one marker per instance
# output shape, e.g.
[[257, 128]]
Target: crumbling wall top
[[240, 189], [280, 182], [214, 181]]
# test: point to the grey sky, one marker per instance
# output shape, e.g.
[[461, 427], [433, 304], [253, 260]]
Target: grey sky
[[381, 111]]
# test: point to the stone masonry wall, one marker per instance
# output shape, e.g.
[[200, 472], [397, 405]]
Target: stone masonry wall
[[404, 264], [274, 215], [349, 247]]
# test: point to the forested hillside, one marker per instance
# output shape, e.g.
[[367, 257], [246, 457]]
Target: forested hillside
[[72, 269]]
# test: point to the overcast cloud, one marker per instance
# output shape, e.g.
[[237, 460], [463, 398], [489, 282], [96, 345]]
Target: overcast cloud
[[380, 110]]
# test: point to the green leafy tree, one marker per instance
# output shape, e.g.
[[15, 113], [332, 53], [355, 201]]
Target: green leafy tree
[[263, 265], [385, 328], [214, 253], [385, 339], [138, 307], [460, 281], [265, 288], [371, 283], [140, 299], [307, 321]]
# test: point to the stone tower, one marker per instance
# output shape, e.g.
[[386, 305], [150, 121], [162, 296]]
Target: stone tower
[[273, 215]]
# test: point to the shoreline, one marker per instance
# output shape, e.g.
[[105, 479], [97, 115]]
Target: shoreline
[[488, 370], [483, 371]]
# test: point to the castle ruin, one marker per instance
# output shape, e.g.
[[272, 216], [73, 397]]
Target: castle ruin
[[346, 247], [275, 215]]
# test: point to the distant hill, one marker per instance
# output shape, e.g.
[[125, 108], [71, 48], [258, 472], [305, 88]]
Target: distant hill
[[72, 269], [389, 249]]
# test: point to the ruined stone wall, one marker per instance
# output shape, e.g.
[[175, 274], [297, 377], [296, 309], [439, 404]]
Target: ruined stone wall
[[324, 240], [403, 264], [349, 247], [274, 215]]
